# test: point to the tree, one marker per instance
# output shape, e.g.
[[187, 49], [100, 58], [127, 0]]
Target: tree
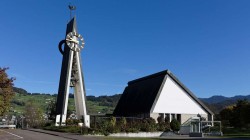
[[6, 91], [226, 115], [33, 114], [236, 116], [241, 113]]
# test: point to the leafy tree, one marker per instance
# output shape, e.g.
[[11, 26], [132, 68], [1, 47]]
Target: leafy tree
[[226, 115], [240, 115], [33, 114], [236, 116], [6, 91]]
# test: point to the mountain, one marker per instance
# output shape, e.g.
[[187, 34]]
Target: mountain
[[214, 99], [219, 98], [217, 103]]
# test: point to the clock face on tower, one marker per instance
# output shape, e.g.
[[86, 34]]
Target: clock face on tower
[[74, 41]]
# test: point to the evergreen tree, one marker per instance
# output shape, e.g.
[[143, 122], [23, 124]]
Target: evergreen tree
[[175, 125]]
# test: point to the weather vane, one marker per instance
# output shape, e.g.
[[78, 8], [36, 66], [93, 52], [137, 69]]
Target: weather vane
[[71, 8]]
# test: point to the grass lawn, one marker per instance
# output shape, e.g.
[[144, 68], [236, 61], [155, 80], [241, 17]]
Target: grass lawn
[[236, 132], [237, 135]]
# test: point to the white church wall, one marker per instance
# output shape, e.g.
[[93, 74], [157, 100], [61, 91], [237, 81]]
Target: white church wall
[[173, 99]]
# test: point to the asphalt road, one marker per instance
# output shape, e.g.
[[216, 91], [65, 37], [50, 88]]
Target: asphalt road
[[38, 134], [18, 134]]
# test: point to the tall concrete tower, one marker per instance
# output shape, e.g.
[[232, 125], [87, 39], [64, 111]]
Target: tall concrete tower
[[71, 76]]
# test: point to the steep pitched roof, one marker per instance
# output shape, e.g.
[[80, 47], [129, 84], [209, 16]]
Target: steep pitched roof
[[140, 94]]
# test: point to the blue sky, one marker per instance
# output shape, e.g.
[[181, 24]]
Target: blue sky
[[205, 43]]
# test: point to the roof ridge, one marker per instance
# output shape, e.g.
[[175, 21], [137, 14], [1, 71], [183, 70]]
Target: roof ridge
[[164, 72]]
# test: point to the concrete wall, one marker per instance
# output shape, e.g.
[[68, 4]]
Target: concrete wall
[[184, 130]]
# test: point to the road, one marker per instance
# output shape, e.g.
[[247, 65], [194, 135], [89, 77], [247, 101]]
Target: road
[[37, 134], [18, 134]]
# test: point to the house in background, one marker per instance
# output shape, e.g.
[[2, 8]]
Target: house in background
[[160, 94]]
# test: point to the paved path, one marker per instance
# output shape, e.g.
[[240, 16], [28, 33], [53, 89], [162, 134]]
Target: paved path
[[37, 134]]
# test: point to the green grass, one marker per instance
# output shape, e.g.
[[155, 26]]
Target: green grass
[[236, 132], [241, 135]]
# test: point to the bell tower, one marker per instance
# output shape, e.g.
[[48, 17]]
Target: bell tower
[[71, 75]]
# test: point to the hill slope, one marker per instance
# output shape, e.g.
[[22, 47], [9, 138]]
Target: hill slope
[[95, 105], [217, 103], [105, 104]]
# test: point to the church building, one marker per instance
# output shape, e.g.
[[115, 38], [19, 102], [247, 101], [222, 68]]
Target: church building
[[160, 95]]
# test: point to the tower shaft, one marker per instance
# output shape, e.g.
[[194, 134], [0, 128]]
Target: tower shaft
[[71, 76]]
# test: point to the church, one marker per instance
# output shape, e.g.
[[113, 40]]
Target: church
[[160, 95]]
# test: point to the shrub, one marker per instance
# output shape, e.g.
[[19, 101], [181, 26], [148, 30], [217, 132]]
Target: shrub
[[133, 126], [67, 129], [113, 121], [165, 126], [175, 125], [167, 119], [148, 125], [123, 124], [123, 121], [72, 122], [160, 119]]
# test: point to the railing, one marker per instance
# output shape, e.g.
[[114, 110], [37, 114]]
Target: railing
[[194, 125], [188, 122], [7, 126], [211, 128]]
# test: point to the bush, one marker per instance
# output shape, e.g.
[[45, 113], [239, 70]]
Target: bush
[[73, 122], [148, 125], [106, 126], [167, 119], [175, 125], [160, 119], [67, 129], [165, 126], [113, 121], [123, 124]]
